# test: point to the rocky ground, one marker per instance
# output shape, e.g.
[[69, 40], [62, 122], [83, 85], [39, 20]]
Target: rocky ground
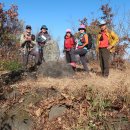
[[71, 101]]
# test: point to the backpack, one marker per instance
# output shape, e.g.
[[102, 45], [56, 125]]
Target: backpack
[[90, 41]]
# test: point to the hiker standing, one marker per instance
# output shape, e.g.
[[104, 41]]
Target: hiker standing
[[27, 43], [81, 48], [106, 40], [42, 38], [69, 45]]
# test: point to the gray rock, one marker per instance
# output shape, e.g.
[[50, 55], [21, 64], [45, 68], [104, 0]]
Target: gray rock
[[56, 111], [51, 51], [19, 120], [55, 69]]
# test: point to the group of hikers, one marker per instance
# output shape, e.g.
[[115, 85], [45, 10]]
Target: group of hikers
[[31, 45], [105, 44]]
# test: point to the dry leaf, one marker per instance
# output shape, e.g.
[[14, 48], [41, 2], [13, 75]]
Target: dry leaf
[[21, 100], [38, 112]]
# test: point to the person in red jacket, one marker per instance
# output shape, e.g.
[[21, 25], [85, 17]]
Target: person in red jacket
[[69, 45]]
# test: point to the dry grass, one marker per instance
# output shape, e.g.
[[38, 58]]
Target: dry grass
[[117, 84], [116, 80], [93, 106]]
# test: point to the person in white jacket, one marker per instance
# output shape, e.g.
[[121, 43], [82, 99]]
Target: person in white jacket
[[28, 46]]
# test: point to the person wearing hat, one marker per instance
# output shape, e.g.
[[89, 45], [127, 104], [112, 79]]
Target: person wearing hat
[[69, 45], [42, 38], [81, 48], [43, 35], [27, 44], [26, 36], [106, 41]]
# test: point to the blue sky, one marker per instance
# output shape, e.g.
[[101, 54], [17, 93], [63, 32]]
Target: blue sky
[[59, 15]]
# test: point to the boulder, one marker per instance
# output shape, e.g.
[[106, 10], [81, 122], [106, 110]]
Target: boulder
[[51, 51], [55, 69]]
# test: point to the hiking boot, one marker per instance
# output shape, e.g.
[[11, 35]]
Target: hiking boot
[[105, 76], [73, 64]]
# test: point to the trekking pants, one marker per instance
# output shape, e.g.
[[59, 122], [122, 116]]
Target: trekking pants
[[68, 55], [30, 53], [104, 55], [82, 53]]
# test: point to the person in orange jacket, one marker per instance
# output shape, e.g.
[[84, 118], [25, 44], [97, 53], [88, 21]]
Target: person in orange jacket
[[106, 42]]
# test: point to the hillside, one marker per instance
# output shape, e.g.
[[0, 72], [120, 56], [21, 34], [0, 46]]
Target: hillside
[[76, 102]]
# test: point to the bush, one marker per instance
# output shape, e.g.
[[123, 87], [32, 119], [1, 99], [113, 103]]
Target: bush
[[10, 65]]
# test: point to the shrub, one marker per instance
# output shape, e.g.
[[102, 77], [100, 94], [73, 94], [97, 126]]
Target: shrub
[[10, 65]]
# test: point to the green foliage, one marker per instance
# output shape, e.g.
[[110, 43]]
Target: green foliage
[[93, 28], [10, 65]]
